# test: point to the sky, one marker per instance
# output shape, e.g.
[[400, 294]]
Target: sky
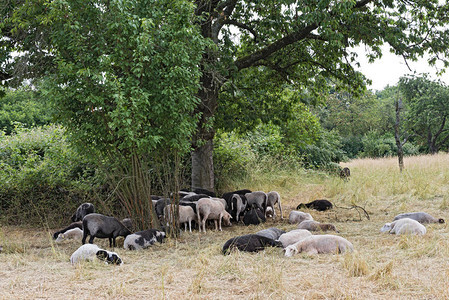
[[388, 69]]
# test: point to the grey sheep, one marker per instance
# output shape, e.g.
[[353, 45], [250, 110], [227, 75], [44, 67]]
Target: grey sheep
[[312, 225], [297, 217], [273, 197], [143, 239], [421, 217], [100, 226], [271, 233], [258, 199], [82, 211]]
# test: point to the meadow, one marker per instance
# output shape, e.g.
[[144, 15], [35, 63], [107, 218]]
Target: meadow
[[383, 266]]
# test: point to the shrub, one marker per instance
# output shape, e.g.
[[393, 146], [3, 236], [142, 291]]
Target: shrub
[[42, 178]]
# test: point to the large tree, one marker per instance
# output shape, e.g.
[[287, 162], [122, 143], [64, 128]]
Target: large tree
[[428, 111], [304, 42]]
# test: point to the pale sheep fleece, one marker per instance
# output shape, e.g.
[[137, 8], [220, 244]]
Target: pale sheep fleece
[[297, 217], [404, 226], [320, 244], [293, 236]]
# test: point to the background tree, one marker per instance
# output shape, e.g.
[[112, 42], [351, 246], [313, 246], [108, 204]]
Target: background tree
[[428, 111], [305, 43]]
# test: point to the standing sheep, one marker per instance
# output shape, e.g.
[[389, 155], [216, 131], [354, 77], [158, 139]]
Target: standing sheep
[[208, 209], [345, 173], [82, 211], [421, 217], [273, 197], [404, 226], [297, 217], [185, 215], [100, 226], [257, 198], [320, 244], [238, 206]]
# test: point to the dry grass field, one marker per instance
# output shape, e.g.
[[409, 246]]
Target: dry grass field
[[382, 267]]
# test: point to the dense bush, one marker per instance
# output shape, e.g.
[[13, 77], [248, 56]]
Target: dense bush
[[383, 146], [42, 178], [22, 106]]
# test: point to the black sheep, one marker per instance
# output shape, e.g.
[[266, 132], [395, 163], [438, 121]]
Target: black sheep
[[204, 191], [320, 205], [249, 243], [83, 210], [228, 196], [254, 216]]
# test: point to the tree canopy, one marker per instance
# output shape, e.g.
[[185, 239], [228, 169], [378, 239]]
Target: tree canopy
[[308, 44]]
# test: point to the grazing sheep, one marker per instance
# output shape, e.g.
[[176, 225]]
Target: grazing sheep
[[249, 243], [160, 205], [258, 198], [90, 251], [271, 233], [273, 197], [312, 225], [238, 206], [404, 226], [223, 201], [320, 205], [293, 236], [209, 209], [186, 215], [78, 224], [82, 211], [296, 217], [345, 173], [421, 217], [227, 196], [72, 234], [254, 216], [188, 203], [320, 244], [100, 226], [143, 239]]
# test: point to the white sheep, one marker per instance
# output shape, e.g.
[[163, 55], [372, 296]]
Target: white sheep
[[208, 209], [297, 217], [186, 215], [293, 236], [72, 234], [90, 251], [320, 244], [421, 217], [404, 226], [273, 197]]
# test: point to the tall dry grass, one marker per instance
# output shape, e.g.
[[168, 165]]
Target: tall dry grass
[[382, 267]]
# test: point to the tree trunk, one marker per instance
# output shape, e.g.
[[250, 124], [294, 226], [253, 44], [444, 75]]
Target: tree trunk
[[399, 144], [203, 166]]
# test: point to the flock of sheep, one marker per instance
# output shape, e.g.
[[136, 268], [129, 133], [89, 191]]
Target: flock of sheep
[[248, 207]]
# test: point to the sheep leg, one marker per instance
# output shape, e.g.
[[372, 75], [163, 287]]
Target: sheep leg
[[110, 242], [199, 221], [215, 222], [84, 237], [219, 222], [280, 208], [91, 239], [190, 226]]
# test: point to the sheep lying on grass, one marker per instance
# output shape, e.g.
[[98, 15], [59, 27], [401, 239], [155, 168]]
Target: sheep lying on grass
[[320, 244], [143, 239], [271, 233], [101, 226], [421, 217], [312, 225], [404, 226], [78, 224], [90, 251], [320, 205], [293, 236], [72, 234], [297, 217], [249, 243]]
